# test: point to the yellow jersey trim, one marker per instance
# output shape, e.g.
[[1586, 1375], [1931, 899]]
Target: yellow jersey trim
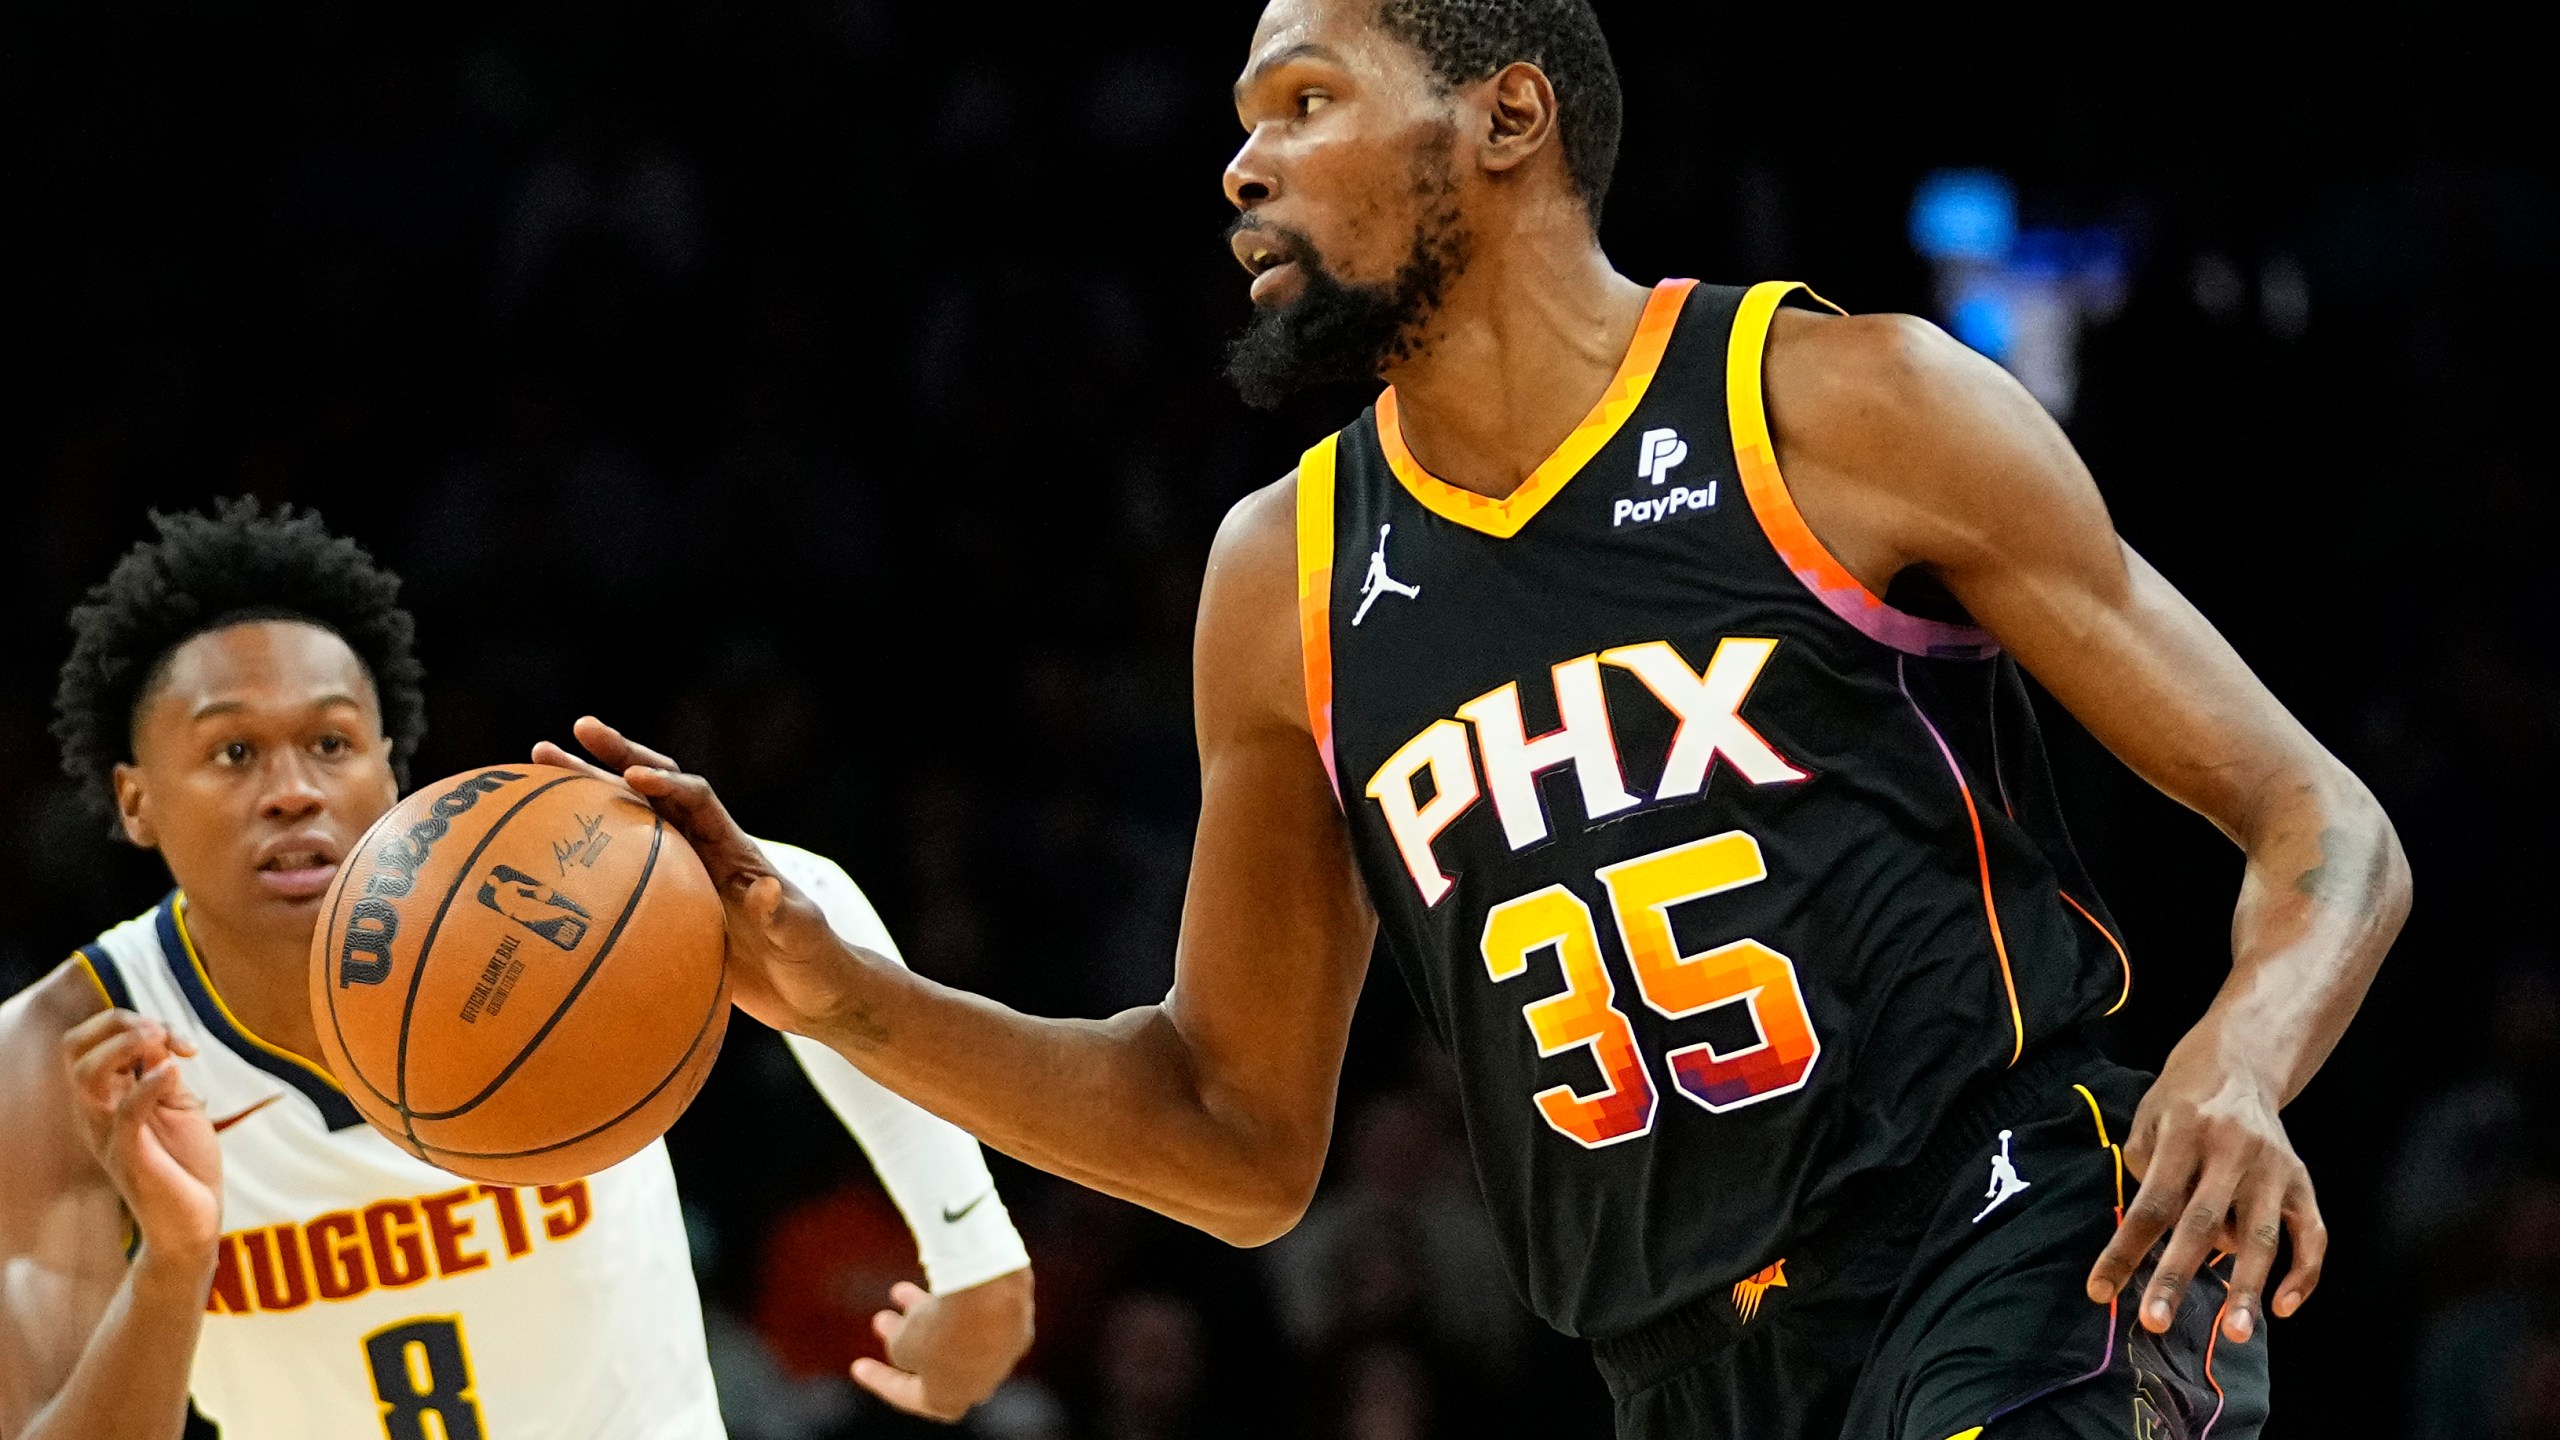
[[96, 982], [1315, 594], [2108, 1145], [1504, 518], [1755, 457], [187, 940]]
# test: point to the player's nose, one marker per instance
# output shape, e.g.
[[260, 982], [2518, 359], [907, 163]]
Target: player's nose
[[1251, 179], [292, 791]]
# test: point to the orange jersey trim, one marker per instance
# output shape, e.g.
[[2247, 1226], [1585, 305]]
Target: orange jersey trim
[[1315, 594], [1982, 860], [1504, 518], [1755, 455], [2121, 957]]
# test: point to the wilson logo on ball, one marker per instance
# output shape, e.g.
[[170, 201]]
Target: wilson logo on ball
[[364, 953], [535, 906]]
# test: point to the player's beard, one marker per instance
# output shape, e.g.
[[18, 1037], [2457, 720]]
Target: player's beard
[[1336, 332]]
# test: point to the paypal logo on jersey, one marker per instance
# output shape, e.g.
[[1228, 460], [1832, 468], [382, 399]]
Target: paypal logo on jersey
[[1657, 455]]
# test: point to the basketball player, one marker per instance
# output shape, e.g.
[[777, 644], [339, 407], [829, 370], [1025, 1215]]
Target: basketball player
[[1688, 771], [191, 1206]]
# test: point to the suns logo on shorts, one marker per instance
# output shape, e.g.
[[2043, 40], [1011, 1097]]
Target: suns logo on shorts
[[1747, 1293]]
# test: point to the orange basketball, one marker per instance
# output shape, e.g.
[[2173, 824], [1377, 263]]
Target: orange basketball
[[518, 975]]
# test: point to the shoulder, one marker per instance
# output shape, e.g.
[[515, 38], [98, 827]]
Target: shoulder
[[1867, 372], [1260, 532], [35, 1085], [1910, 447], [33, 1021], [1247, 667]]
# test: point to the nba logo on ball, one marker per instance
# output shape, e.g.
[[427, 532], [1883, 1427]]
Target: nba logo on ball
[[535, 906], [447, 1029]]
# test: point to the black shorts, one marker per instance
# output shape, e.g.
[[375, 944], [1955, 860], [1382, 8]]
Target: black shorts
[[1958, 1311]]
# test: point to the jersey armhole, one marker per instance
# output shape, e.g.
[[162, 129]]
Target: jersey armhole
[[1755, 456], [103, 975], [1315, 595]]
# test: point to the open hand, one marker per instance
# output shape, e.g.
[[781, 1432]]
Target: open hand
[[787, 967], [148, 1131], [948, 1352], [2215, 1164]]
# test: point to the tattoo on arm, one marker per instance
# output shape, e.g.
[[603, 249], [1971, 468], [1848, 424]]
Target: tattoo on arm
[[860, 1030]]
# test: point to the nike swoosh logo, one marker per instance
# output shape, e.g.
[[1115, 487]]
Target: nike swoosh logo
[[228, 1121], [954, 1217]]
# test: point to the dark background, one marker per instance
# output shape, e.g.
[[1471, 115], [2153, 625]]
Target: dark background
[[830, 391]]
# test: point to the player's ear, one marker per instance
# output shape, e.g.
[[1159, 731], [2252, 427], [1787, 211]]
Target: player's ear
[[129, 808], [1520, 116]]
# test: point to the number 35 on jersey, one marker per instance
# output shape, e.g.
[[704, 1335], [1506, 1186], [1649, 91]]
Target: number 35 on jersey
[[1588, 1014]]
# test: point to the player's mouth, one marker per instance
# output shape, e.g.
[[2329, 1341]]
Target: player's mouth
[[298, 867], [1268, 259]]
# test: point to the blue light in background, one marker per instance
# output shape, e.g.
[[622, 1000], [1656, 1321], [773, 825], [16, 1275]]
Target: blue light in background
[[1983, 321], [1964, 215]]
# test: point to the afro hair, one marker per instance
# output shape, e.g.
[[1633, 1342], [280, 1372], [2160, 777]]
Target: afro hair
[[240, 563]]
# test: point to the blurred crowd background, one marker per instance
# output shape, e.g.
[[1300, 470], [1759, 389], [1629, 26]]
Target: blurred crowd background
[[828, 391]]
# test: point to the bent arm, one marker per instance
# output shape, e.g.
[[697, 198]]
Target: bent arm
[[1905, 449], [92, 1347], [1215, 1106], [932, 1169]]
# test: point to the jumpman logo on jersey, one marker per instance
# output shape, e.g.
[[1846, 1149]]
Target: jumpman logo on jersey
[[2004, 1180], [1379, 582]]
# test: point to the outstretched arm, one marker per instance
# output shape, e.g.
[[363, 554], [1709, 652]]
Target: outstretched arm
[[949, 1346], [91, 1344], [1214, 1106], [1905, 449]]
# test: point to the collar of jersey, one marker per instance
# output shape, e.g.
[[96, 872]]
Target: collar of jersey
[[196, 984], [1504, 518]]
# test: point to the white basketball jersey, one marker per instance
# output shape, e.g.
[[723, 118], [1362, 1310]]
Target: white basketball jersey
[[362, 1291]]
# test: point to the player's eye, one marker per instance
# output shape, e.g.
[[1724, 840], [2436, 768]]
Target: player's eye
[[235, 753], [1310, 101], [332, 745]]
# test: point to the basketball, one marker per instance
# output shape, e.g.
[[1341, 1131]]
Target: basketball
[[518, 975]]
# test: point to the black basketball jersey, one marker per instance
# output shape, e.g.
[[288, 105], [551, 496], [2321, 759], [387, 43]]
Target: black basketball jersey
[[1721, 878]]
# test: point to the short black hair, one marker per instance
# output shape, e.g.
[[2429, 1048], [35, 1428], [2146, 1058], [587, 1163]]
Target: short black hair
[[1465, 41], [242, 562]]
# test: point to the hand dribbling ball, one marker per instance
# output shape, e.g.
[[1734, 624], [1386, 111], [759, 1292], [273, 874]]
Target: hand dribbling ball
[[518, 975]]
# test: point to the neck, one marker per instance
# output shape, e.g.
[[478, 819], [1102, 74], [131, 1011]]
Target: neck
[[262, 980], [1524, 344]]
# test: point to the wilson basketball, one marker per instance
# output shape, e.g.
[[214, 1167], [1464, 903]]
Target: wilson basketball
[[518, 975]]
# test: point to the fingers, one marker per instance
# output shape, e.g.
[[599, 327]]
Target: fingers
[[2310, 1246], [907, 1295], [2261, 1214], [2207, 1206], [886, 1324], [2154, 1209], [899, 1388], [685, 801], [107, 1051], [158, 1086], [612, 747], [546, 753]]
